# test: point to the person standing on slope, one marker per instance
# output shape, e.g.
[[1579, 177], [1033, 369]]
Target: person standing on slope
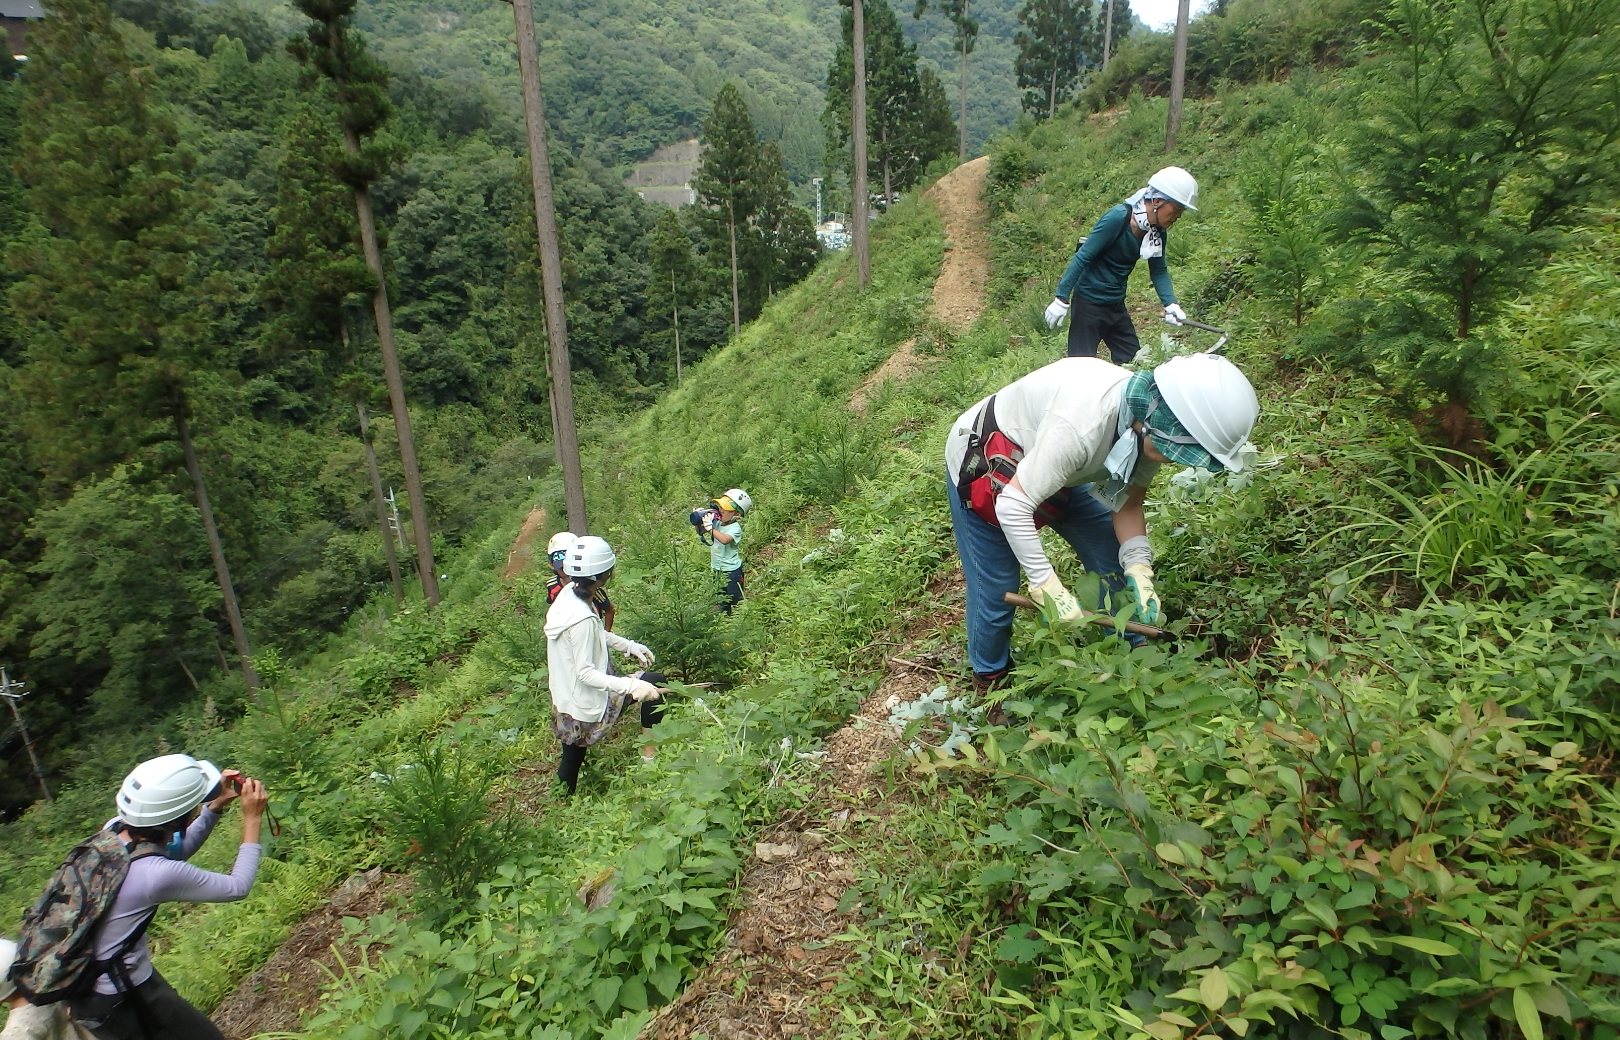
[[1092, 291], [1075, 445], [586, 698]]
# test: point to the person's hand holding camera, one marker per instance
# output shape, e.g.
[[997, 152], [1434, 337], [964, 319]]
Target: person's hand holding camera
[[708, 521], [230, 788], [255, 799]]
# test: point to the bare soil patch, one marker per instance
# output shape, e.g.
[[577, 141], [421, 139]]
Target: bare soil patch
[[521, 558], [959, 290], [275, 998], [780, 961]]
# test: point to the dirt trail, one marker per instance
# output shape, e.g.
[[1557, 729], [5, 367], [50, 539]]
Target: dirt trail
[[772, 978], [960, 288], [521, 558], [274, 998]]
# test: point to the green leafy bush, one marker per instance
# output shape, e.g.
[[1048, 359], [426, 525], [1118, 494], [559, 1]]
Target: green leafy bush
[[1313, 841]]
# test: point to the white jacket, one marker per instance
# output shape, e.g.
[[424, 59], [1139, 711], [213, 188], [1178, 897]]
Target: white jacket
[[577, 658]]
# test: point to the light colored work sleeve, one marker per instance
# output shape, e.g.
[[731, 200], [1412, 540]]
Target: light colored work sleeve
[[174, 882], [578, 637], [198, 832], [1016, 511], [1135, 550], [619, 643]]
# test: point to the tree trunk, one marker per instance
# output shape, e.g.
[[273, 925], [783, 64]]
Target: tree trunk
[[382, 510], [564, 433], [1178, 78], [1108, 33], [384, 316], [857, 195], [961, 149], [675, 309], [1051, 94], [736, 298], [222, 571]]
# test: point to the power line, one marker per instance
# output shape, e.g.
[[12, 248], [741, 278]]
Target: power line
[[13, 692]]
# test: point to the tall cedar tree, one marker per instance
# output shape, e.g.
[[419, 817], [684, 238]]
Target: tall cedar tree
[[672, 277], [1491, 124], [1060, 40], [116, 318], [333, 49], [908, 119], [314, 250], [967, 31], [768, 241]]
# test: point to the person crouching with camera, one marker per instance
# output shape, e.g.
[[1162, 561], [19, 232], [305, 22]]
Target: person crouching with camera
[[586, 699]]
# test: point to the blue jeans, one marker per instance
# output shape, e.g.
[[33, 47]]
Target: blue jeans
[[992, 570]]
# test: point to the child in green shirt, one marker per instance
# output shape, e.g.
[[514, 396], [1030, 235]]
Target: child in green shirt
[[724, 554]]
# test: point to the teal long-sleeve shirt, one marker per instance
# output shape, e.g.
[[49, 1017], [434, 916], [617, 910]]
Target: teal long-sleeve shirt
[[1103, 263]]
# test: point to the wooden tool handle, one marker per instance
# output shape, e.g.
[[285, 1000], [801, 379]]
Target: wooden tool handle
[[1105, 620]]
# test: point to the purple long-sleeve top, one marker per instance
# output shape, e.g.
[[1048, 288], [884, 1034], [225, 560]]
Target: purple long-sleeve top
[[158, 879]]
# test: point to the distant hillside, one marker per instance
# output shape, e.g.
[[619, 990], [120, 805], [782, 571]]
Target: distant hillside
[[621, 79]]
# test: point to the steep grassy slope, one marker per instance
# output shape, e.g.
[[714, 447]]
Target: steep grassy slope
[[1370, 791]]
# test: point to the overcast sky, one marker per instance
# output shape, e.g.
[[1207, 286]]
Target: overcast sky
[[1161, 14]]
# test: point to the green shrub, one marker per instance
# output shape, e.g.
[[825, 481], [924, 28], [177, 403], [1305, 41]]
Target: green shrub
[[1312, 841], [436, 808]]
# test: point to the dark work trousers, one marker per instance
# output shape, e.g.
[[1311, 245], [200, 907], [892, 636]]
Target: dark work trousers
[[573, 755], [117, 1016], [1109, 323], [733, 594]]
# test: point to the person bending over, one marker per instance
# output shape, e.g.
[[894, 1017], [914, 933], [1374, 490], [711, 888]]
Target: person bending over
[[1075, 445]]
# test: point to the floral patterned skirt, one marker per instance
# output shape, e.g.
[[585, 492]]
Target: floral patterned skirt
[[570, 730]]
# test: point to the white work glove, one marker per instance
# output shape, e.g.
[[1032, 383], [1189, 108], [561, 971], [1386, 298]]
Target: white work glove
[[708, 523], [1139, 579], [639, 652], [1061, 601], [642, 690], [1056, 311], [1173, 314]]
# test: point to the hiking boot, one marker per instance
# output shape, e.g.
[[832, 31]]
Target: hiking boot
[[985, 683]]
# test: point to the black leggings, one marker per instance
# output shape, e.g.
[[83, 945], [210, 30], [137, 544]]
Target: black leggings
[[573, 755], [117, 1016], [1090, 323]]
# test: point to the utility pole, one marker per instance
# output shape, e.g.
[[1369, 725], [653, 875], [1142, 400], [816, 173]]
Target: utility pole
[[393, 521], [857, 202], [377, 496], [13, 692], [563, 431], [817, 182], [1108, 32], [1178, 78]]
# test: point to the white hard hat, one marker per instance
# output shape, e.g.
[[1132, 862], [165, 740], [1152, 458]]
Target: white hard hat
[[1177, 185], [8, 954], [165, 789], [740, 498], [589, 556], [1213, 400], [560, 542]]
